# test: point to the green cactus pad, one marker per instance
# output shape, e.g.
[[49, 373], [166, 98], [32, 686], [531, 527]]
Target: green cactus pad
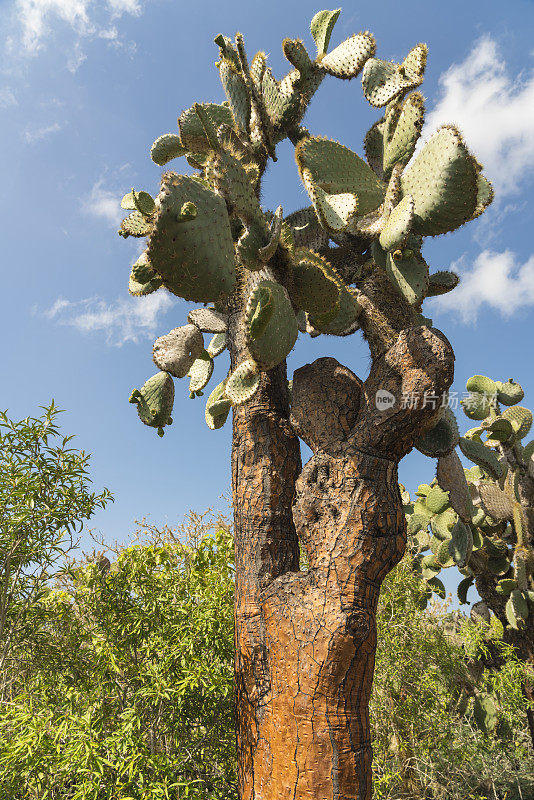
[[509, 393], [451, 477], [264, 308], [335, 169], [342, 320], [482, 456], [437, 500], [135, 224], [165, 148], [192, 131], [520, 419], [217, 407], [499, 429], [176, 351], [200, 372], [276, 103], [278, 336], [442, 524], [398, 226], [485, 713], [297, 55], [373, 145], [267, 252], [335, 211], [208, 320], [409, 276], [477, 405], [236, 91], [506, 586], [442, 179], [485, 195], [155, 401], [313, 288], [440, 439], [441, 283], [516, 609], [143, 279], [321, 28], [138, 201], [347, 59], [194, 257], [306, 230], [229, 177], [249, 245], [480, 383], [495, 502], [217, 345], [258, 65], [461, 544], [243, 383], [403, 136], [462, 590], [382, 81], [227, 49]]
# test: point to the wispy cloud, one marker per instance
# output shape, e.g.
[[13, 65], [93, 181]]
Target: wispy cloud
[[104, 203], [7, 97], [126, 320], [37, 134], [36, 20], [494, 111], [496, 280]]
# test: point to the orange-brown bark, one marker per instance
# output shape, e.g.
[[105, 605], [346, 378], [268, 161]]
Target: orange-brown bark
[[306, 641]]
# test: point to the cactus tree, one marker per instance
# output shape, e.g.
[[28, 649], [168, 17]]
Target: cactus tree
[[351, 260]]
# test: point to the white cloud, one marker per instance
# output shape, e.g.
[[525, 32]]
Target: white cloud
[[494, 111], [105, 204], [126, 320], [37, 134], [495, 280], [7, 97], [36, 20]]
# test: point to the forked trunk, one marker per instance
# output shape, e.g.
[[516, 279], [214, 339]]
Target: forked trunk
[[306, 641]]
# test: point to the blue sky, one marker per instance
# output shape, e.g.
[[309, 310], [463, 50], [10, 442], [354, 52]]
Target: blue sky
[[85, 88]]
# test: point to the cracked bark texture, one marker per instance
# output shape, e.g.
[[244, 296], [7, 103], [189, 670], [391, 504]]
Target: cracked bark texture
[[306, 640]]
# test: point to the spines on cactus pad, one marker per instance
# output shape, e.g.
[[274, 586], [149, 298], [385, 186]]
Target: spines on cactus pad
[[200, 373], [306, 229], [482, 456], [337, 170], [176, 351], [408, 272], [321, 28], [165, 148], [509, 393], [218, 406], [155, 401], [383, 81], [348, 58], [135, 224], [138, 201], [208, 320], [398, 225], [373, 146], [442, 438], [236, 91], [143, 279], [243, 382], [403, 133], [335, 211], [217, 344], [343, 318], [313, 288], [442, 179], [194, 254], [277, 337], [442, 282], [192, 132]]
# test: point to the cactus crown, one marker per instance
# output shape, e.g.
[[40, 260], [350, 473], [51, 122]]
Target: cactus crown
[[206, 229]]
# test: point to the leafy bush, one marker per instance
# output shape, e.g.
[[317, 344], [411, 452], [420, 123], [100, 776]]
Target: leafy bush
[[129, 694]]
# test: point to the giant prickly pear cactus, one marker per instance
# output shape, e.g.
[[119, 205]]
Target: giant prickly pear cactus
[[352, 260], [481, 519]]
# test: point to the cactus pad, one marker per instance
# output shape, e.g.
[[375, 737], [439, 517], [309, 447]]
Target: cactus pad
[[313, 288], [441, 283], [398, 226], [451, 477], [194, 256], [520, 419], [347, 59], [243, 383], [143, 279], [217, 407], [279, 334], [155, 401], [516, 609], [138, 201], [482, 456], [321, 28], [192, 132], [208, 320], [176, 351], [335, 211], [440, 439], [217, 345], [442, 179], [236, 91], [135, 224], [200, 373], [382, 81], [335, 169], [165, 148], [408, 274], [373, 146], [485, 713], [509, 393], [402, 136], [495, 502], [476, 405]]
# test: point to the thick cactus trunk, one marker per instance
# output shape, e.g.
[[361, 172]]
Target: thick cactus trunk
[[306, 641]]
